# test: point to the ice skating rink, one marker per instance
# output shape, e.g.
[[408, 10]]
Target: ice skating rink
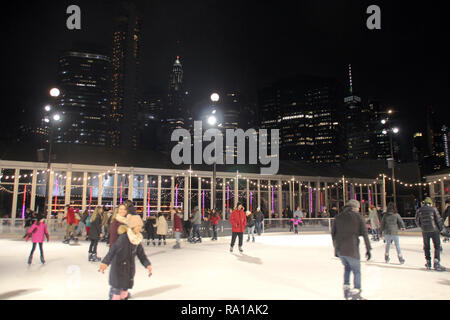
[[280, 267]]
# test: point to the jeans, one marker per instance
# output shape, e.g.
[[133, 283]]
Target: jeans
[[296, 228], [41, 249], [352, 265], [81, 226], [93, 247], [251, 230], [258, 227], [214, 227], [196, 231], [375, 233], [436, 242], [69, 230], [118, 294], [390, 238], [233, 238], [177, 236]]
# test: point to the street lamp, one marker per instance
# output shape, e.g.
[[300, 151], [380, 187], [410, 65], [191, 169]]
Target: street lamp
[[48, 108], [212, 121], [55, 92], [215, 97], [391, 131]]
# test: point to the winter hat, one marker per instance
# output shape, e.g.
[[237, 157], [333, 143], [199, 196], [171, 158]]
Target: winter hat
[[428, 200], [354, 203], [134, 221]]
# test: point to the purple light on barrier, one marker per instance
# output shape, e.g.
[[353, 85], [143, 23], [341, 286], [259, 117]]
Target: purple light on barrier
[[203, 203], [176, 196], [24, 197], [228, 193], [251, 198], [272, 201], [370, 197], [310, 200]]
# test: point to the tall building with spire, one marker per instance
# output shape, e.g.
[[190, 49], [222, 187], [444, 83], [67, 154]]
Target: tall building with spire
[[125, 61], [357, 123]]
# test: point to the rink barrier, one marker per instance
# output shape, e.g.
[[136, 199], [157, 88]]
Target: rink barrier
[[309, 225]]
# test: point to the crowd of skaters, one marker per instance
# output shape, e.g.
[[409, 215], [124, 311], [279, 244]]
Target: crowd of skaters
[[122, 228]]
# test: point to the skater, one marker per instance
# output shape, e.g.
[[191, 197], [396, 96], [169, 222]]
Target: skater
[[118, 219], [161, 228], [215, 218], [348, 227], [238, 222], [37, 232], [196, 221], [389, 229], [295, 221], [77, 223], [259, 219], [207, 224], [150, 229], [177, 227], [30, 218], [82, 223], [95, 233], [250, 225], [121, 257], [431, 223], [374, 223], [70, 220]]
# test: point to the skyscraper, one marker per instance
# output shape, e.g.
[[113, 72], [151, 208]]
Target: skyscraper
[[176, 111], [84, 81], [126, 61], [306, 110]]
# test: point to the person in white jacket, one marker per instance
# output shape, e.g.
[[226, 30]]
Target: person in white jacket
[[374, 223], [161, 228]]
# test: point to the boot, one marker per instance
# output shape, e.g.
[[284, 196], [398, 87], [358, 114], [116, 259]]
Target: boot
[[240, 250], [154, 243], [346, 291], [90, 257], [253, 239], [428, 265], [401, 259], [95, 258], [159, 243], [30, 259], [42, 259], [231, 249], [248, 239], [437, 266], [165, 242], [386, 258], [176, 246], [148, 242], [355, 294], [66, 241]]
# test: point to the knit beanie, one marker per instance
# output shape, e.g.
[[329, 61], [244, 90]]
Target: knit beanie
[[134, 221], [428, 200], [354, 203]]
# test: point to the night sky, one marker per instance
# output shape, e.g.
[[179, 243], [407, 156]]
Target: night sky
[[241, 45]]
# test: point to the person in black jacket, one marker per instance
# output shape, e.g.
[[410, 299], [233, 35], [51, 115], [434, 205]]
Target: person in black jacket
[[150, 229], [95, 233], [259, 218], [348, 227], [121, 257], [390, 224], [431, 223], [250, 225]]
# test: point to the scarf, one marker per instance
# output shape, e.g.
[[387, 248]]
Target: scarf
[[122, 220], [134, 238]]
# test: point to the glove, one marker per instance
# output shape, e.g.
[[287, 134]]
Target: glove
[[368, 255]]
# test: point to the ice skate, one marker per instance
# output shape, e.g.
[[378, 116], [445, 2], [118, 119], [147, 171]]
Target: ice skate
[[428, 265], [66, 241], [30, 260], [253, 239], [95, 258], [148, 242], [154, 243], [386, 258], [346, 291], [159, 243], [90, 257], [240, 250], [248, 239], [355, 294], [437, 266], [42, 259], [176, 246], [401, 259], [231, 249], [165, 242]]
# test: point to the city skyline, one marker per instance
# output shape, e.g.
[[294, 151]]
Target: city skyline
[[222, 67]]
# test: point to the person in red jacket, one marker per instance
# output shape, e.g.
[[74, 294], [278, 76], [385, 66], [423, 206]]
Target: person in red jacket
[[177, 227], [238, 221], [214, 218], [70, 219]]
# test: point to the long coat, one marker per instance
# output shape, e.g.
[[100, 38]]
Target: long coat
[[238, 221], [161, 226], [121, 257], [96, 228], [373, 217]]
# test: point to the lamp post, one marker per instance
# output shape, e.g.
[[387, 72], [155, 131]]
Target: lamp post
[[50, 120], [212, 121], [390, 132]]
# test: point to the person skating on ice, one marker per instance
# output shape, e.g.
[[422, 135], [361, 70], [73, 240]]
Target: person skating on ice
[[296, 220], [215, 218], [250, 225], [37, 232], [150, 229], [196, 221], [348, 227], [161, 228], [374, 223], [390, 224], [122, 255], [119, 218], [95, 233], [431, 223], [259, 218], [238, 222], [177, 226], [70, 220]]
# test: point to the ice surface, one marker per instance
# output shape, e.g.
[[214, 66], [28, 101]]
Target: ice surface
[[282, 266]]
